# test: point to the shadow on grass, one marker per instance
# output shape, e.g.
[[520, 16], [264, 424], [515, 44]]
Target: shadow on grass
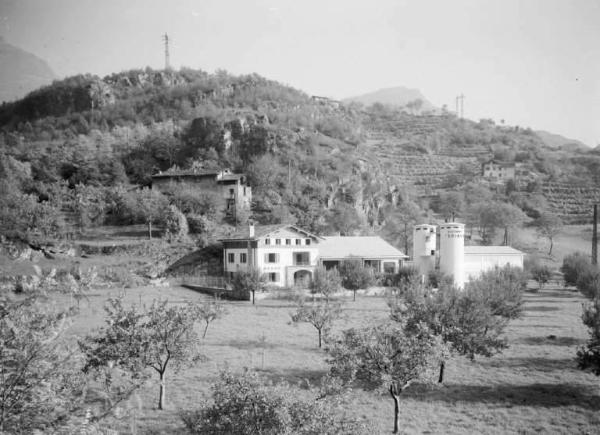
[[537, 325], [546, 395], [248, 344], [540, 364], [540, 308], [552, 340], [558, 294], [305, 378]]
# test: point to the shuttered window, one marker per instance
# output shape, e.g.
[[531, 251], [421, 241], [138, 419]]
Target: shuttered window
[[271, 258]]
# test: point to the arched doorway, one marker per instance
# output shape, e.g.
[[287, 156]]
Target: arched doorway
[[302, 278]]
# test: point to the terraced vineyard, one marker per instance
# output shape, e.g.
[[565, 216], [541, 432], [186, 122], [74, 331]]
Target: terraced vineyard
[[573, 203]]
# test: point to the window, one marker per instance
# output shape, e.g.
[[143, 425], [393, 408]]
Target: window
[[433, 252], [231, 192], [271, 258], [288, 241], [231, 258], [301, 258], [267, 241], [244, 190], [243, 257], [389, 267], [273, 277], [298, 242], [278, 241], [307, 242]]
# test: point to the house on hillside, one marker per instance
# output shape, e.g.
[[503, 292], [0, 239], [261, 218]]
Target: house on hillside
[[233, 188], [498, 171], [289, 255]]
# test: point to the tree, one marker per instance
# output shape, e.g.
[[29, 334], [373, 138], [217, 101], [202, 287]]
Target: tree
[[39, 382], [462, 320], [399, 223], [326, 282], [548, 226], [387, 354], [451, 204], [210, 311], [244, 404], [355, 275], [320, 315], [345, 219], [158, 337], [501, 290], [541, 274], [588, 357], [151, 207], [250, 281], [575, 265]]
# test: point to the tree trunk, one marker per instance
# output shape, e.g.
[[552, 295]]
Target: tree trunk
[[442, 367], [150, 230], [253, 291], [205, 329], [395, 393], [551, 245], [319, 338], [162, 394], [354, 295]]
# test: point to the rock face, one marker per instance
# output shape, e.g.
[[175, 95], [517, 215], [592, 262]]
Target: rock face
[[21, 72]]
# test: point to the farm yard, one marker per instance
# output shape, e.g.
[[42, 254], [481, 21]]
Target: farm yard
[[534, 386]]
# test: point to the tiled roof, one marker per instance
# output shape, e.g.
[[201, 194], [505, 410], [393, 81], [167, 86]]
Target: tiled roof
[[262, 231], [492, 250], [186, 173], [364, 247]]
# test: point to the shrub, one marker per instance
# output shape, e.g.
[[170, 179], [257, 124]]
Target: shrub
[[246, 405], [574, 265]]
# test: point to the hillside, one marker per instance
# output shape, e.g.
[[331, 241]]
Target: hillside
[[397, 96], [328, 167], [21, 72], [558, 141]]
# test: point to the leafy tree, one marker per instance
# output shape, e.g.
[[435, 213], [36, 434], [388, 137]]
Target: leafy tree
[[320, 315], [588, 357], [387, 355], [356, 276], [462, 320], [40, 384], [158, 337], [345, 219], [326, 282], [248, 282], [548, 226], [244, 404], [541, 274], [399, 222], [501, 289], [210, 311], [451, 204], [151, 207]]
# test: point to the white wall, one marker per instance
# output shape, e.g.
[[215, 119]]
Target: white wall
[[475, 264]]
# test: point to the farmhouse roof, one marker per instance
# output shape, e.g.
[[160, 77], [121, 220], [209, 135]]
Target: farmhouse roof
[[362, 247], [491, 250], [261, 231], [501, 163]]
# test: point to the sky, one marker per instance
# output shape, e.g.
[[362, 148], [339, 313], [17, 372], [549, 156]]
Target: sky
[[532, 63]]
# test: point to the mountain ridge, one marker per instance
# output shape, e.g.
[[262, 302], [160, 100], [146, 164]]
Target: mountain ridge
[[399, 96]]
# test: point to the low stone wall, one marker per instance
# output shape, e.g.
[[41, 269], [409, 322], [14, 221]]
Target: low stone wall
[[220, 293]]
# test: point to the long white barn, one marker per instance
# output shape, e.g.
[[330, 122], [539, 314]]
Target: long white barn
[[455, 259]]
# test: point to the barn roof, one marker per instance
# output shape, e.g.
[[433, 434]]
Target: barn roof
[[362, 247], [491, 250]]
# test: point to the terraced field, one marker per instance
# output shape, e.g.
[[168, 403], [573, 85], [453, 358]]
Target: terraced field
[[573, 203]]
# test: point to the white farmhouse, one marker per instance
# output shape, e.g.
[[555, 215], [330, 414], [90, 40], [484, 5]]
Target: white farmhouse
[[288, 255]]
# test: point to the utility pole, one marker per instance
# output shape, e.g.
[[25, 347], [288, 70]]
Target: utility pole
[[166, 41], [595, 237], [460, 106]]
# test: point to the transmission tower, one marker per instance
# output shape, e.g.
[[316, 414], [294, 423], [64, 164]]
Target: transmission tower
[[166, 40], [460, 105]]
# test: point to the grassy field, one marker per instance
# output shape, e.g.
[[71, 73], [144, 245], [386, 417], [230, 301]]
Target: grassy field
[[534, 386]]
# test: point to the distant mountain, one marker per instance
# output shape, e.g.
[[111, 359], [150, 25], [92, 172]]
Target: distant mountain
[[398, 96], [557, 141], [21, 72]]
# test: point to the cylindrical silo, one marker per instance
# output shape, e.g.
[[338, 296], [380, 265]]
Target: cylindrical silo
[[452, 251], [424, 245]]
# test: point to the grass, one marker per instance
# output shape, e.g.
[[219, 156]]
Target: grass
[[534, 386]]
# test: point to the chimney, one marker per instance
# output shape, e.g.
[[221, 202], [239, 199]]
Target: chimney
[[251, 229]]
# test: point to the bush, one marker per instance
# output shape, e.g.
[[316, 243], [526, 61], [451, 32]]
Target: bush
[[246, 405], [501, 289], [575, 265]]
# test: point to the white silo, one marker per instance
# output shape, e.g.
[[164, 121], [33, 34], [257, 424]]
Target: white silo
[[452, 251], [424, 246]]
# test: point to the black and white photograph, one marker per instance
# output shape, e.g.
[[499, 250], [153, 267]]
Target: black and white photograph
[[316, 217]]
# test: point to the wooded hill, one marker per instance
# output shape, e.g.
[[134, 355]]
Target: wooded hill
[[329, 167]]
